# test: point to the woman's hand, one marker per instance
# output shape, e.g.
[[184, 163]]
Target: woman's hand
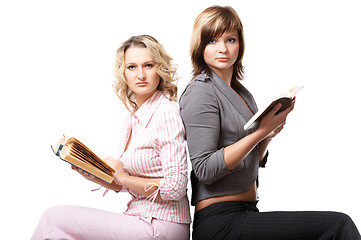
[[275, 132], [273, 123], [119, 174], [116, 164], [85, 174]]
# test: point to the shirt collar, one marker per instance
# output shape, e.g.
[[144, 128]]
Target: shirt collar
[[145, 113], [233, 95]]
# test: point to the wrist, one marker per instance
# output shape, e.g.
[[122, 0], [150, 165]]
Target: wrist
[[260, 134], [267, 139], [122, 179]]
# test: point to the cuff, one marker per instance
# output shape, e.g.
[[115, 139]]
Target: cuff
[[262, 163]]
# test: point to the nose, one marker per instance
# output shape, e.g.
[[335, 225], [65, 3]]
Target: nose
[[222, 47], [141, 74]]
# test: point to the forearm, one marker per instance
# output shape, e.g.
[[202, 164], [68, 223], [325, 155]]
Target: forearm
[[262, 148], [270, 126], [111, 186], [235, 153], [140, 185]]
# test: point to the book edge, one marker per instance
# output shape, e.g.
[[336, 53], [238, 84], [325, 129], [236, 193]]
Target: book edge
[[98, 159], [63, 155]]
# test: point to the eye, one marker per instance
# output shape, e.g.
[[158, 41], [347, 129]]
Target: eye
[[212, 41], [149, 65], [131, 67], [231, 40]]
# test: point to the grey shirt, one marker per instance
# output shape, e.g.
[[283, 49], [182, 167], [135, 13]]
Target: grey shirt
[[214, 115]]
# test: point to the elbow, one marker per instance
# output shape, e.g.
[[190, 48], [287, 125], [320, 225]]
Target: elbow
[[210, 168], [173, 189], [209, 174], [204, 178], [175, 196]]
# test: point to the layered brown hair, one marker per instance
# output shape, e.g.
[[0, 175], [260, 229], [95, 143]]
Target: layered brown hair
[[212, 23]]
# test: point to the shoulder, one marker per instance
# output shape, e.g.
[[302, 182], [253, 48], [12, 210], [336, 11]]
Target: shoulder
[[167, 105], [200, 89], [167, 109], [201, 83], [167, 120]]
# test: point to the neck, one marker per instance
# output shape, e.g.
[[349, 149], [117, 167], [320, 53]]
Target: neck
[[140, 99], [225, 74]]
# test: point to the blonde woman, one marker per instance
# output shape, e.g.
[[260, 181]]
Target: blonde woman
[[152, 167], [225, 157]]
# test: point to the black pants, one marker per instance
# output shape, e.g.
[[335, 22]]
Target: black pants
[[242, 220]]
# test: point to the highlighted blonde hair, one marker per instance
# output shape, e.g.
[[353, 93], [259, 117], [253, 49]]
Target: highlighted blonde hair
[[165, 69], [212, 23]]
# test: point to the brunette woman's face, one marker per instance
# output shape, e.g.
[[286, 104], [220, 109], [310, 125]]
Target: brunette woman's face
[[221, 52], [141, 73]]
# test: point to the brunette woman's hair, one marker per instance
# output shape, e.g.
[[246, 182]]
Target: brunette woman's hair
[[212, 23]]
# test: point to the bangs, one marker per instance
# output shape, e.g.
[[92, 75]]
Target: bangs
[[212, 23], [218, 25]]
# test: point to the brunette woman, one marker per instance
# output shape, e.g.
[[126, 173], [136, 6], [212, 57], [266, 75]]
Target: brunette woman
[[225, 158]]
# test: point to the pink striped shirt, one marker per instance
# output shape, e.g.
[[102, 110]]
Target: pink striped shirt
[[157, 150]]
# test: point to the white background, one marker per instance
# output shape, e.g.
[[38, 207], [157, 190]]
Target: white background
[[56, 60]]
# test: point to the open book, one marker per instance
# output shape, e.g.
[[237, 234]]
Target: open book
[[74, 152], [285, 99]]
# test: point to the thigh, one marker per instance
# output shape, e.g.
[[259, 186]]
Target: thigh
[[241, 220], [169, 230], [284, 225], [74, 222]]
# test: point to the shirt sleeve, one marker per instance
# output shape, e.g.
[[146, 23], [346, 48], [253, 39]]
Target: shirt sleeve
[[200, 113], [173, 155]]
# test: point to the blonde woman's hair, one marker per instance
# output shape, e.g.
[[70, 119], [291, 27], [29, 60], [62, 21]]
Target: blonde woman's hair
[[212, 23], [165, 69]]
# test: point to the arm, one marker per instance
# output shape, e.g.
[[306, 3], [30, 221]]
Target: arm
[[200, 113], [172, 153], [134, 183], [269, 127], [263, 145], [90, 177], [263, 152], [121, 179]]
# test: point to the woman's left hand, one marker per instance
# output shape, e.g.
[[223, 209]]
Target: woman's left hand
[[120, 173], [276, 131]]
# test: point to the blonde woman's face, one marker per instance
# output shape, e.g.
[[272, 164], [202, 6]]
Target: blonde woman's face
[[141, 73], [221, 52]]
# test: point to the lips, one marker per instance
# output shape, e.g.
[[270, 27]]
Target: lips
[[222, 59], [142, 84]]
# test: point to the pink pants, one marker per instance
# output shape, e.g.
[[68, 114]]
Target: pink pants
[[73, 222]]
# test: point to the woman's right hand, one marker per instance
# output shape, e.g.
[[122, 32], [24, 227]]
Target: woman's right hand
[[85, 174], [272, 123]]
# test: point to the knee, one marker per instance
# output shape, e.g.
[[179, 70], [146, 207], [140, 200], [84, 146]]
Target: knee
[[52, 211], [52, 215], [346, 227], [343, 217], [48, 226], [344, 221]]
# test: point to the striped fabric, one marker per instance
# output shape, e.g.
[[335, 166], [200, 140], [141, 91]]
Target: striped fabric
[[157, 150]]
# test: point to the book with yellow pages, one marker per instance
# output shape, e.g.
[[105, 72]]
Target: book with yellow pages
[[76, 153], [285, 99]]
